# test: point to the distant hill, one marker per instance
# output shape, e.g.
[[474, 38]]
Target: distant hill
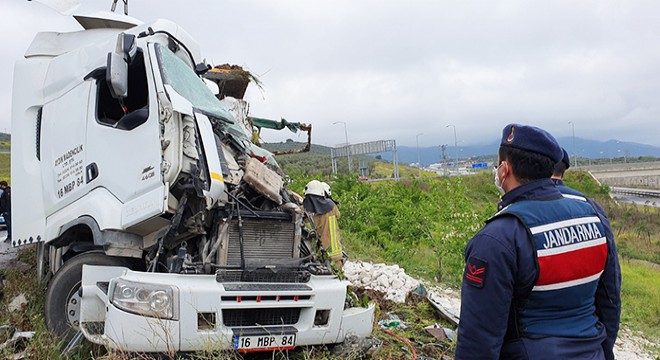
[[317, 161], [5, 142], [288, 145], [585, 149]]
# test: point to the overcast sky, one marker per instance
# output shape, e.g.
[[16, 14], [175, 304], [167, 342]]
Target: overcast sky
[[396, 69]]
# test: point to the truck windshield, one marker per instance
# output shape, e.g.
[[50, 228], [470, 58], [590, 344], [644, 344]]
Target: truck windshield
[[186, 83], [181, 77]]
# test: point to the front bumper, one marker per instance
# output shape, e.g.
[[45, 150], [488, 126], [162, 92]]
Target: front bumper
[[211, 313]]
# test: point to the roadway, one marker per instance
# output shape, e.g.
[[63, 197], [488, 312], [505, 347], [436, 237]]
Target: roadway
[[634, 183], [636, 196], [642, 175], [7, 252]]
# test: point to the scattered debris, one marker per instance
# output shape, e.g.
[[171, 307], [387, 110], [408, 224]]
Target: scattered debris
[[404, 340], [75, 341], [397, 286], [393, 321], [420, 291], [14, 337], [17, 303], [353, 347], [447, 302], [6, 331], [441, 333], [375, 296], [232, 80]]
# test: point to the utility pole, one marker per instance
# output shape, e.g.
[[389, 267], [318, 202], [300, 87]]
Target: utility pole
[[455, 147], [574, 152], [419, 162], [443, 147]]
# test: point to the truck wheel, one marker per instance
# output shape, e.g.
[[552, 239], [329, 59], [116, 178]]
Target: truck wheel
[[62, 306]]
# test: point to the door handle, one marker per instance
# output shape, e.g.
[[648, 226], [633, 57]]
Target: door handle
[[91, 172]]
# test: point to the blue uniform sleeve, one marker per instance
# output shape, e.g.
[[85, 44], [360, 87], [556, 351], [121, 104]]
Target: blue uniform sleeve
[[608, 293], [487, 290]]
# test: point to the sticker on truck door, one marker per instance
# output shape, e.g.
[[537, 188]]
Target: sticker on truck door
[[69, 171]]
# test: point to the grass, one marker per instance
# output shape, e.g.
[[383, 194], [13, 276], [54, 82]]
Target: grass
[[42, 346], [417, 313], [640, 296], [380, 223], [636, 230], [5, 167]]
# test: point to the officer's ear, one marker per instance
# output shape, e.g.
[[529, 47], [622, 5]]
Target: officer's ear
[[506, 169]]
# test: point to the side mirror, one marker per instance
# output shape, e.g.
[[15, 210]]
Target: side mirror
[[116, 74]]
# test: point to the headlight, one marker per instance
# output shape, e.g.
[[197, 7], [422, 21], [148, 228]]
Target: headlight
[[158, 301]]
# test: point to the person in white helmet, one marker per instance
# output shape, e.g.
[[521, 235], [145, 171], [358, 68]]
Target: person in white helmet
[[319, 203]]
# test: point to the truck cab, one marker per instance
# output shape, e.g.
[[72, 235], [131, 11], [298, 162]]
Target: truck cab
[[160, 226]]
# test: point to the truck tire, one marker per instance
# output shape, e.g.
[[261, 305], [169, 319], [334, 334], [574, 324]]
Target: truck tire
[[62, 305]]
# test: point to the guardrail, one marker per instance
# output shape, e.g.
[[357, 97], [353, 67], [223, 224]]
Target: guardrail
[[636, 192]]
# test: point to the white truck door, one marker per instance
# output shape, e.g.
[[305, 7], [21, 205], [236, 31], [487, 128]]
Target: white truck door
[[123, 145]]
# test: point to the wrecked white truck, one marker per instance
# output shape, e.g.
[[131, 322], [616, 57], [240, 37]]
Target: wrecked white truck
[[160, 225]]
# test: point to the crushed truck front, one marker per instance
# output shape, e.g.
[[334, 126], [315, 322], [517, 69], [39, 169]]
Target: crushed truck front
[[204, 313], [179, 233]]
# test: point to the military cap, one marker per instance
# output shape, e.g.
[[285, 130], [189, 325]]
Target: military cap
[[566, 159], [532, 139]]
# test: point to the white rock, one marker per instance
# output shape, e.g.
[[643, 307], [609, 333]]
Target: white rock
[[397, 284], [383, 281]]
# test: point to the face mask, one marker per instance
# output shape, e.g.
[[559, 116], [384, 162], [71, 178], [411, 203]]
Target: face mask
[[499, 184]]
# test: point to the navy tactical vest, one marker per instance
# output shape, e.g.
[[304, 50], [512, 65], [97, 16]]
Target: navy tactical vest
[[571, 250], [567, 191]]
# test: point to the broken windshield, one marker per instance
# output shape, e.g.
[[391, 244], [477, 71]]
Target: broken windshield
[[183, 80], [181, 77]]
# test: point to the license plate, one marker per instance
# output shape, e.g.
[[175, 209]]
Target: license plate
[[264, 342]]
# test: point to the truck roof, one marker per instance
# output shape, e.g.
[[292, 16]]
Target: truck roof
[[106, 20], [103, 25]]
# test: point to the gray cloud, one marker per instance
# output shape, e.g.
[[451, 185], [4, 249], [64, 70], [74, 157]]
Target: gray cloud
[[393, 70]]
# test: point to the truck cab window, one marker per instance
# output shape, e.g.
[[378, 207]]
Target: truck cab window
[[108, 109]]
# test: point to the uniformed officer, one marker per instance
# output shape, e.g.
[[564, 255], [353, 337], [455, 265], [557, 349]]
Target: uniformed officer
[[608, 300], [534, 273], [325, 215], [561, 167]]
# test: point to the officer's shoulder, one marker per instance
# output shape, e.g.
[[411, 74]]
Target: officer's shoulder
[[565, 190], [499, 227]]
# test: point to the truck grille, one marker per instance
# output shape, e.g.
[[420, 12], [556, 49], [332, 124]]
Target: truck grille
[[262, 276], [263, 239], [94, 327], [260, 317]]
